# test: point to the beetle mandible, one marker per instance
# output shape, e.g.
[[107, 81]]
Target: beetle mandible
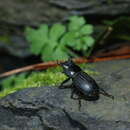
[[83, 85]]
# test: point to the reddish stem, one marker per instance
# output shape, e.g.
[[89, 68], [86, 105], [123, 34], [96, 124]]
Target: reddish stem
[[53, 64]]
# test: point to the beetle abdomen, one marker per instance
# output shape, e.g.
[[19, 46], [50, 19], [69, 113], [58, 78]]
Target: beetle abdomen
[[85, 84]]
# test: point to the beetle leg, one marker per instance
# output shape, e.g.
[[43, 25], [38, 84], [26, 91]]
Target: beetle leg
[[66, 84], [80, 104], [103, 92], [74, 91]]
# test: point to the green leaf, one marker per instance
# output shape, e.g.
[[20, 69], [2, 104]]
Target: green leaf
[[43, 32], [56, 31], [60, 54], [60, 41], [86, 30], [40, 34], [68, 38], [29, 33], [36, 48], [88, 40], [47, 52], [85, 47], [78, 45], [77, 19], [75, 23], [38, 38]]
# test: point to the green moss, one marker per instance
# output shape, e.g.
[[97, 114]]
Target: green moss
[[51, 77]]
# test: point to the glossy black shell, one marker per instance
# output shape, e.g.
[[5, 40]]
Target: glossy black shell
[[81, 80], [85, 84]]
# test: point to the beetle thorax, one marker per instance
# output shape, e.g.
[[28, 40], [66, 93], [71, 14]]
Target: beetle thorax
[[70, 69], [70, 73]]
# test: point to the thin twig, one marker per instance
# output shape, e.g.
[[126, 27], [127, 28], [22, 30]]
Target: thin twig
[[46, 65]]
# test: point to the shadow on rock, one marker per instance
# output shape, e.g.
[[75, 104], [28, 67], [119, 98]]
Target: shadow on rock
[[74, 123]]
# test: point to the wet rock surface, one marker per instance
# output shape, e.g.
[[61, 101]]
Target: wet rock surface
[[32, 12], [50, 108]]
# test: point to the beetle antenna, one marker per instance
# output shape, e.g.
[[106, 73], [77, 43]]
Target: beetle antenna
[[103, 92]]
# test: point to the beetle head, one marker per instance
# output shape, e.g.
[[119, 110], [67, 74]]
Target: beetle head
[[70, 68]]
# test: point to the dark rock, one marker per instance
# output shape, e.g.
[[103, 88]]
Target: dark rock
[[50, 108], [32, 12]]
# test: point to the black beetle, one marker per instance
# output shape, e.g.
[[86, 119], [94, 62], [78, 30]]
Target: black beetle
[[83, 85]]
